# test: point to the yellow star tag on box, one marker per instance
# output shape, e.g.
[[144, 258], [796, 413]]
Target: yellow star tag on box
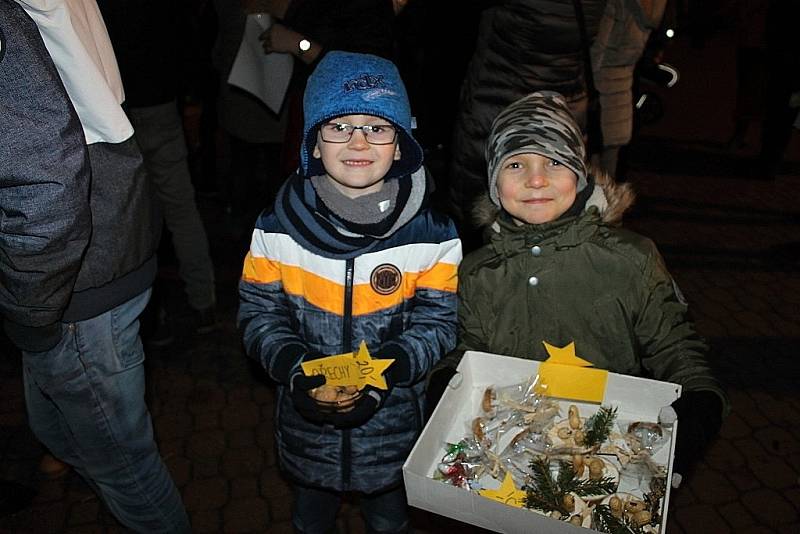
[[566, 376], [507, 493], [350, 369]]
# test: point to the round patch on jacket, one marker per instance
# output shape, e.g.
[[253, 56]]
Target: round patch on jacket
[[385, 279]]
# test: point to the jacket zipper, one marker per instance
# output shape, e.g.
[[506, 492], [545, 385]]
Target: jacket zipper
[[347, 319], [347, 346]]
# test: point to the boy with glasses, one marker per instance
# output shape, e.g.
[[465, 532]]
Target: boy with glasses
[[350, 253]]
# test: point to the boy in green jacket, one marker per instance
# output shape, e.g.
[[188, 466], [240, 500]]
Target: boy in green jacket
[[558, 268]]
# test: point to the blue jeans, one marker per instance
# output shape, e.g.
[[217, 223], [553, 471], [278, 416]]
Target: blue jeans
[[314, 511], [85, 400]]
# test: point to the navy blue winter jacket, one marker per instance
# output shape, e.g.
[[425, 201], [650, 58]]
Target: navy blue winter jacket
[[398, 295]]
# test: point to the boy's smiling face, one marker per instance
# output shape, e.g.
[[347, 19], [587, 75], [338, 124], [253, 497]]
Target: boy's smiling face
[[535, 189], [357, 167]]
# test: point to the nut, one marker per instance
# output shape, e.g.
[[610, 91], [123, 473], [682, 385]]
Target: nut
[[564, 433]]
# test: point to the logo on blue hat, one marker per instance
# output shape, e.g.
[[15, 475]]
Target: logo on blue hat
[[349, 83], [364, 82]]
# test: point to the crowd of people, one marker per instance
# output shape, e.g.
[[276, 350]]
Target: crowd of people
[[351, 236]]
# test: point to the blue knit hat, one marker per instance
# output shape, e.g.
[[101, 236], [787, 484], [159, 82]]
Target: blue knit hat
[[346, 83]]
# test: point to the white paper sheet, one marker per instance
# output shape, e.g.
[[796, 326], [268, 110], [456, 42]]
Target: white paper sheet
[[264, 75]]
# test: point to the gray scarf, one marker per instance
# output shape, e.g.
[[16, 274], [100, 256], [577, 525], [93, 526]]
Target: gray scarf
[[366, 209]]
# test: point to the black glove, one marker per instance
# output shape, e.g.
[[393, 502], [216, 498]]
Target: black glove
[[400, 370], [303, 403], [373, 398], [300, 385], [364, 408], [437, 383], [699, 421]]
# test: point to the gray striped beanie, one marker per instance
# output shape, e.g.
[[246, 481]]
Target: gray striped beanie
[[540, 123]]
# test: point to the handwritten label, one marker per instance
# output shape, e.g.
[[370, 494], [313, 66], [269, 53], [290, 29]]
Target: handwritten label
[[350, 369]]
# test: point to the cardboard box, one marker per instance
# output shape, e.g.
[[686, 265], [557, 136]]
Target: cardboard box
[[637, 399]]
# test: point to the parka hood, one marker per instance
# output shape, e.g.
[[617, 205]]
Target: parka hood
[[611, 199]]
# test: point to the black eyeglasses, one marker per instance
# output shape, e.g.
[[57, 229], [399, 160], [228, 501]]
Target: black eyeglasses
[[375, 134]]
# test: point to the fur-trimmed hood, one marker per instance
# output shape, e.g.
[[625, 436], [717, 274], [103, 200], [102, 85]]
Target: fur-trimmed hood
[[612, 199]]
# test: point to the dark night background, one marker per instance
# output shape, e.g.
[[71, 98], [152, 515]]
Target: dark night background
[[729, 231]]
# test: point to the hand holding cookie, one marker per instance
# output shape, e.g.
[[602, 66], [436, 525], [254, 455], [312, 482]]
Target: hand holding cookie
[[335, 398]]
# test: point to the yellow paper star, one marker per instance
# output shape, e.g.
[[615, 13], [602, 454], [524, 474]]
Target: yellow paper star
[[565, 375], [565, 355], [350, 369], [371, 370], [507, 493]]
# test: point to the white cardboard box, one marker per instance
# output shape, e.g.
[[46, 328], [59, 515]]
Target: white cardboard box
[[636, 398]]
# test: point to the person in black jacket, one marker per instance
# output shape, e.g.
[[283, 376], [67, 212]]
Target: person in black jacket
[[523, 46], [78, 234]]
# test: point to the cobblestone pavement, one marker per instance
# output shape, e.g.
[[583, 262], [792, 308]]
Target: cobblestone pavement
[[733, 244]]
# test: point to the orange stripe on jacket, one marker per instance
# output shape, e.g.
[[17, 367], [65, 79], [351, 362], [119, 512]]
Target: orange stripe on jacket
[[316, 290], [442, 277], [329, 296], [259, 270]]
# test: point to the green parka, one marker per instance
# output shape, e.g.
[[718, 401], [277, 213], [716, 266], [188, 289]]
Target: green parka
[[581, 279]]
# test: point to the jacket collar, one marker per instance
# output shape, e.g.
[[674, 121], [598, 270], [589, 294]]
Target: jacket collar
[[306, 219], [508, 238]]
